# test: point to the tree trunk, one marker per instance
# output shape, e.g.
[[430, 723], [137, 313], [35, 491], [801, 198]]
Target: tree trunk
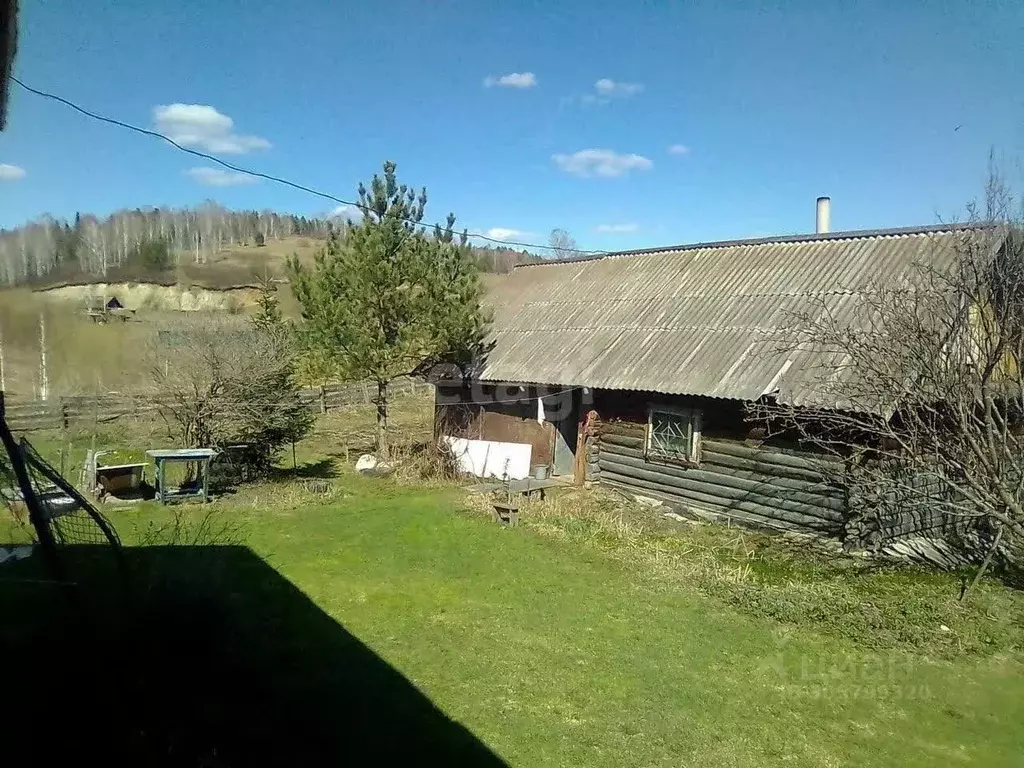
[[984, 565], [382, 420], [323, 398], [3, 375], [44, 377]]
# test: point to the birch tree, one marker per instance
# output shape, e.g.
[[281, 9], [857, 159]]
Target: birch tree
[[563, 245]]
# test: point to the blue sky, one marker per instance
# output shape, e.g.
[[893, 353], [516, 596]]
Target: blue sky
[[892, 112]]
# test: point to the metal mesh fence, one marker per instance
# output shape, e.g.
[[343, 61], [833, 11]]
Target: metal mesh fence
[[45, 510], [69, 515]]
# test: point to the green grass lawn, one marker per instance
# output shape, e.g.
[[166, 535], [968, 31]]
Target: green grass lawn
[[556, 653], [558, 650]]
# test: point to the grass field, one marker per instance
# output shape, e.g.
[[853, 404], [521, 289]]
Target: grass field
[[556, 655], [566, 641], [244, 264]]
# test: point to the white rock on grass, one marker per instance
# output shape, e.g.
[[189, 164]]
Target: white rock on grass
[[647, 501], [366, 462]]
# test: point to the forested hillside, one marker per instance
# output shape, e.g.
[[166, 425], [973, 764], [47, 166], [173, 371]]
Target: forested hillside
[[153, 243]]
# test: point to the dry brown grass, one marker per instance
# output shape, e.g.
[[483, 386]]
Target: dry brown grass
[[243, 264], [83, 357], [600, 517]]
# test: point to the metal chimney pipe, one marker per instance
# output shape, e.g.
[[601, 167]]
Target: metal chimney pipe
[[823, 215]]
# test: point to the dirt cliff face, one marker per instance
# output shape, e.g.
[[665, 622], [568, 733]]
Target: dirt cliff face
[[156, 297]]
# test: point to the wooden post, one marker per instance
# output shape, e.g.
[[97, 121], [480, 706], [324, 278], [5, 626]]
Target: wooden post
[[161, 479], [44, 374], [95, 413], [205, 486], [579, 470]]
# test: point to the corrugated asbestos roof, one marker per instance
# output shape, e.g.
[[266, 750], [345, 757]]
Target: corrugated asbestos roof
[[698, 320]]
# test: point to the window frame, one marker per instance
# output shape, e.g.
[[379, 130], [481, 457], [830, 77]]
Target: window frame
[[695, 419]]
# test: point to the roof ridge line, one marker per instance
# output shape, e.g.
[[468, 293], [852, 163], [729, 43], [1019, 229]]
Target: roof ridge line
[[648, 300], [853, 234]]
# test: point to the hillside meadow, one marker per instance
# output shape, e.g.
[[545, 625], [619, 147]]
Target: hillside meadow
[[84, 357]]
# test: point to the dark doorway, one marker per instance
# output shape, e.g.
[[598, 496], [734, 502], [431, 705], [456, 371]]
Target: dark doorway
[[564, 409]]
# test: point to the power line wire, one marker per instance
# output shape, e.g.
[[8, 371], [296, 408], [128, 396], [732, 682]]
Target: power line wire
[[259, 174]]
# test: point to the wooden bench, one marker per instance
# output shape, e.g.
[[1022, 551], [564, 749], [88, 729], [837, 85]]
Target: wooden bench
[[530, 486], [506, 513]]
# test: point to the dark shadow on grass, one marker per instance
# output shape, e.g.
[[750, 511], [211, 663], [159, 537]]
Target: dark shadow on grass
[[324, 469], [213, 659]]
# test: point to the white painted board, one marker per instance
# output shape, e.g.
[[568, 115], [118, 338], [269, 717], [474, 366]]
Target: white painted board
[[489, 458]]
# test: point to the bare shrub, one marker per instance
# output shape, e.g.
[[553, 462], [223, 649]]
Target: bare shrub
[[187, 527], [222, 381], [418, 462], [438, 462], [929, 370]]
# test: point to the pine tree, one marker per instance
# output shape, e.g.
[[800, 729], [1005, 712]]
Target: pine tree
[[268, 314], [391, 299]]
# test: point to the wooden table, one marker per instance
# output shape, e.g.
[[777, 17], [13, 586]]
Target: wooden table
[[200, 456], [528, 486]]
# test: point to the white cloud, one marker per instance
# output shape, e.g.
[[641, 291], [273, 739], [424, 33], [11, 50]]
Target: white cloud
[[200, 125], [503, 233], [679, 149], [218, 177], [605, 90], [603, 163], [615, 229], [512, 80], [11, 172], [349, 212], [610, 88]]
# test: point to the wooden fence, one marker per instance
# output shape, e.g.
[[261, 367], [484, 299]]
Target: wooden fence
[[66, 412]]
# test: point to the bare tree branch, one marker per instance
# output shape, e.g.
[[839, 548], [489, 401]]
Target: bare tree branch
[[927, 372]]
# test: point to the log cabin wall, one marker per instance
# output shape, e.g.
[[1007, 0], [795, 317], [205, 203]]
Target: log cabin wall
[[767, 483], [762, 483]]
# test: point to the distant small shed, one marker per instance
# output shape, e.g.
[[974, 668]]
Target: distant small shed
[[101, 310]]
